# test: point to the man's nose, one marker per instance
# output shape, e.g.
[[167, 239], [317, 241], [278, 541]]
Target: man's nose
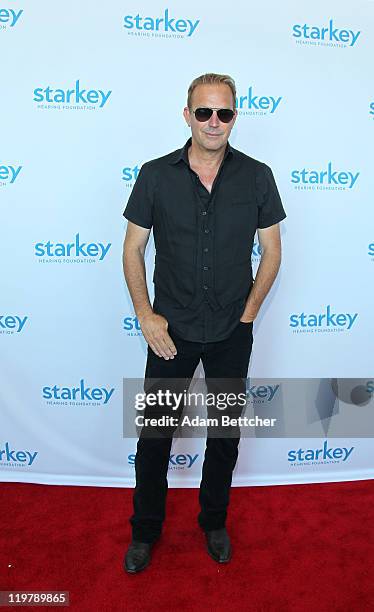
[[214, 121]]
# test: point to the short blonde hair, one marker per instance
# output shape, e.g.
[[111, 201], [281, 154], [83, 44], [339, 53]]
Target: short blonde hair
[[211, 78]]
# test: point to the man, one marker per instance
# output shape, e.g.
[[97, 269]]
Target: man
[[204, 203]]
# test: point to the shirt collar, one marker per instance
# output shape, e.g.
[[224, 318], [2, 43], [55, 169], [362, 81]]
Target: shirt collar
[[182, 154]]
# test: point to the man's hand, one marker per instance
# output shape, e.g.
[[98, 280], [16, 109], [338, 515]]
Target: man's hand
[[248, 315], [154, 328]]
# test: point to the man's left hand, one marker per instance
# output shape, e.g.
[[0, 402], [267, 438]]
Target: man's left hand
[[248, 316]]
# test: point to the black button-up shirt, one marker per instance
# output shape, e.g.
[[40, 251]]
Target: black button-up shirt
[[203, 310]]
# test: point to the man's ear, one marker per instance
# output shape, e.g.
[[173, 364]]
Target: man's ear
[[186, 115]]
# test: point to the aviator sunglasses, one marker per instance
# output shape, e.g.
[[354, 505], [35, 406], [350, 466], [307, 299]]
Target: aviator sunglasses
[[224, 114]]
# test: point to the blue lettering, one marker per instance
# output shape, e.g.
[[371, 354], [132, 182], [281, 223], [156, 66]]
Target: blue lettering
[[12, 322], [9, 171], [258, 103], [329, 33], [154, 24], [256, 249], [325, 453], [71, 249], [327, 319], [68, 96], [7, 454], [47, 393], [295, 176], [10, 15], [128, 22], [181, 459], [321, 177], [130, 323], [82, 392], [129, 174]]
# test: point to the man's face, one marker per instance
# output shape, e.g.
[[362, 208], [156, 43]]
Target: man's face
[[213, 134]]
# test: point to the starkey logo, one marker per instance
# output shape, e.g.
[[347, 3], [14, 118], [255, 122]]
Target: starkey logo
[[325, 454], [71, 252], [176, 462], [161, 26], [323, 179], [327, 321], [11, 324], [327, 35], [371, 109], [80, 394], [9, 174], [9, 17], [254, 103], [371, 250], [74, 98]]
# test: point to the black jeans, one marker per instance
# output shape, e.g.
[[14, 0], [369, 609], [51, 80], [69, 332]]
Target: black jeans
[[226, 359]]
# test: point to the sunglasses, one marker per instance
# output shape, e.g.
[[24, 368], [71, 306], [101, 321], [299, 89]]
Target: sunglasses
[[224, 114]]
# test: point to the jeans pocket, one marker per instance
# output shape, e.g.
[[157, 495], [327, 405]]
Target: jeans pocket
[[244, 324]]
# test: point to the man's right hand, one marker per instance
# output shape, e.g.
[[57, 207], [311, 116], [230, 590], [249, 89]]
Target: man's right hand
[[154, 328]]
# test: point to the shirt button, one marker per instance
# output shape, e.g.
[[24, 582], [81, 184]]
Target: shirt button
[[206, 268], [205, 287], [206, 231], [206, 249], [204, 212]]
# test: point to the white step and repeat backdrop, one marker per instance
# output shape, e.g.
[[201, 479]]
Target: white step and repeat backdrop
[[89, 92]]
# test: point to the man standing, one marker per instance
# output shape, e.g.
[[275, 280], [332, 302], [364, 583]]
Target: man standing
[[204, 203]]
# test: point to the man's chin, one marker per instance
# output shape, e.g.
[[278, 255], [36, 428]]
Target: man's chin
[[215, 142]]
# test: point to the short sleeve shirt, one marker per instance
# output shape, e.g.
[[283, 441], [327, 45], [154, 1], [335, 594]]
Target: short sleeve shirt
[[171, 178]]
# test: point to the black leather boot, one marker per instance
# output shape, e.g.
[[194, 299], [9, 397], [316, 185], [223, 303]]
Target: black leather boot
[[137, 557], [218, 545]]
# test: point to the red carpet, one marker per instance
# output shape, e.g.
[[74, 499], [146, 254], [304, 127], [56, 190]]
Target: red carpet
[[295, 548]]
